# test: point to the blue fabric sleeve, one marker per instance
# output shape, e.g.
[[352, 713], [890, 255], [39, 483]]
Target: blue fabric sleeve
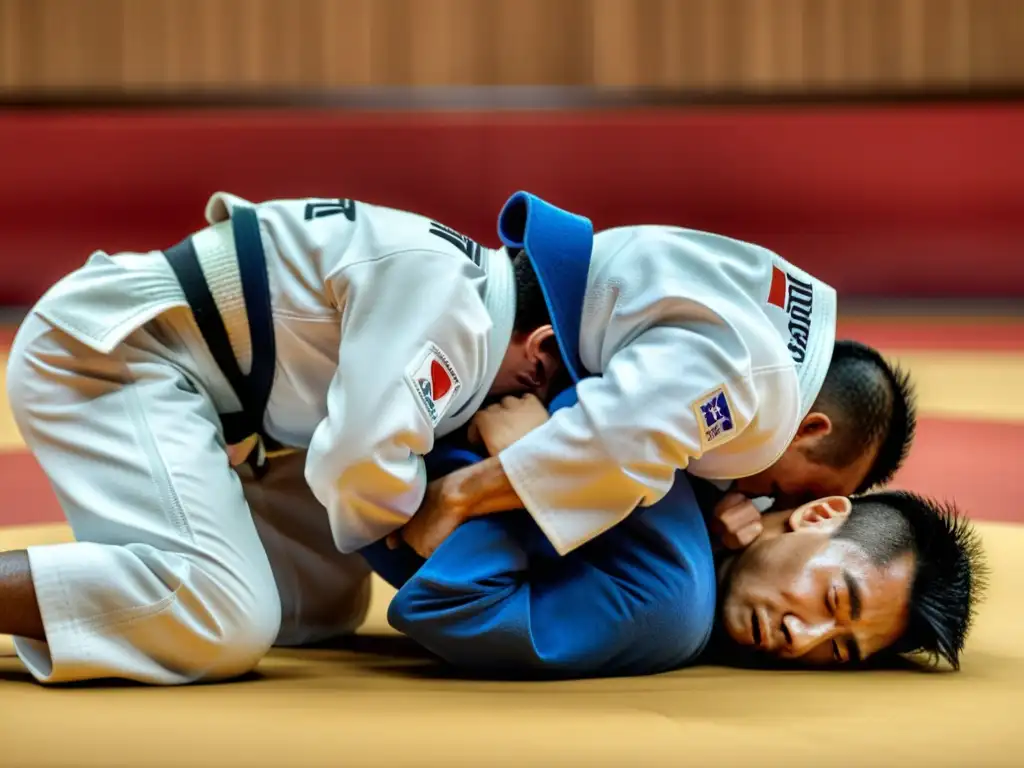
[[396, 566], [497, 599]]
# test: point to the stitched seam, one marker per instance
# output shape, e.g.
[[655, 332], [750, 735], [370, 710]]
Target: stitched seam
[[164, 486], [131, 615]]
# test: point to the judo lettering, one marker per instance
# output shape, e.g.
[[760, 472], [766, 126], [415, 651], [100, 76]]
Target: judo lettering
[[332, 208], [799, 304], [460, 241]]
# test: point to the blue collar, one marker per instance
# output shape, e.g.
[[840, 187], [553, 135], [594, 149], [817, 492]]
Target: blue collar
[[558, 244]]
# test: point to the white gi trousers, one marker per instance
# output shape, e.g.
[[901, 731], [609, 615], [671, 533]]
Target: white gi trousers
[[183, 569]]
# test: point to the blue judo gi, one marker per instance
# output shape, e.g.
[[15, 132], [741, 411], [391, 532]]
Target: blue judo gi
[[496, 598]]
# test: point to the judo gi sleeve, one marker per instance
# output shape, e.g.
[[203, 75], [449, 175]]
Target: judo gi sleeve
[[496, 598], [665, 398], [413, 348]]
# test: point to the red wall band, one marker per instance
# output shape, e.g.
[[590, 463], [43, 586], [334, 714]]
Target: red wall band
[[878, 200]]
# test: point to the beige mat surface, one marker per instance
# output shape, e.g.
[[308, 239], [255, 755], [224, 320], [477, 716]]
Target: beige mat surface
[[378, 703]]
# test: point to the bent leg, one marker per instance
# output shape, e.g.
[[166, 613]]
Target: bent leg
[[168, 581], [324, 593]]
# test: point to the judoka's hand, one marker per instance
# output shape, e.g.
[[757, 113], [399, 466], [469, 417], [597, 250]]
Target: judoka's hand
[[435, 520], [736, 521], [473, 491], [501, 424]]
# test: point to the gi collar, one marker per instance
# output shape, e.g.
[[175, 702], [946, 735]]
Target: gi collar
[[558, 244]]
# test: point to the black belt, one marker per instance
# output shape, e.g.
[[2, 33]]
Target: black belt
[[252, 390]]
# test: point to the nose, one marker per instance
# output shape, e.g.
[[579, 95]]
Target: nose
[[802, 636]]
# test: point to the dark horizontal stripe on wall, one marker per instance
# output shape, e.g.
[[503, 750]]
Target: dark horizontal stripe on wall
[[497, 98]]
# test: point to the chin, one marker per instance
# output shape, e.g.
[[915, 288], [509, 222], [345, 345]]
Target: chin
[[724, 650]]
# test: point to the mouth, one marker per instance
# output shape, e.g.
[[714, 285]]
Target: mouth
[[760, 631]]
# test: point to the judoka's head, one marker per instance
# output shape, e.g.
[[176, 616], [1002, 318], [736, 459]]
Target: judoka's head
[[532, 361], [856, 436], [837, 580]]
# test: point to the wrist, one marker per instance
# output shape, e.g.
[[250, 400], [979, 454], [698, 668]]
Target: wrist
[[480, 489]]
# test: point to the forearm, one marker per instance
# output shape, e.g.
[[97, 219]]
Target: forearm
[[481, 489], [480, 602]]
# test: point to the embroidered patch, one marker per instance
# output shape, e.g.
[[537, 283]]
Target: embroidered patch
[[434, 381], [714, 417]]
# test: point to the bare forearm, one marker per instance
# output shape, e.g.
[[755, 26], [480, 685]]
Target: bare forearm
[[473, 491], [19, 610], [483, 489]]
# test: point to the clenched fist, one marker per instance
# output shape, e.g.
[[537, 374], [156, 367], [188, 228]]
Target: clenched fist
[[736, 521], [501, 424]]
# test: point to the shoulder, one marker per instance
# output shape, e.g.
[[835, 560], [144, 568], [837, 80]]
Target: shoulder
[[772, 426], [680, 268], [692, 245], [673, 622], [392, 232]]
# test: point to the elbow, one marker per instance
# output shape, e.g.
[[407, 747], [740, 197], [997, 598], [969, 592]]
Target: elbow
[[408, 609], [423, 610], [471, 631], [365, 502], [424, 603], [420, 618]]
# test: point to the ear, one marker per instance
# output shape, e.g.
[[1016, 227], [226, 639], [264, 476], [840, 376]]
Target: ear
[[815, 424], [544, 358], [822, 516], [539, 341]]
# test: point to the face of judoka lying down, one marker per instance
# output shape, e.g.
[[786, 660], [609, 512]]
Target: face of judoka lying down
[[837, 580]]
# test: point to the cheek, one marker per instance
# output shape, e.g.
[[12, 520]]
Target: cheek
[[794, 575], [760, 484], [769, 568], [809, 583], [799, 478], [818, 482]]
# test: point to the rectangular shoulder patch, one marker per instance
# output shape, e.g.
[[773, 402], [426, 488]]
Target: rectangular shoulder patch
[[714, 417], [434, 381]]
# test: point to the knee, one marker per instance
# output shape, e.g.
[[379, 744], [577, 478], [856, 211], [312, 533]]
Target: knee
[[245, 640], [236, 623]]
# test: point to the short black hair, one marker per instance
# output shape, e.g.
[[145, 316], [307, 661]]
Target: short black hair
[[531, 309], [871, 402], [950, 572]]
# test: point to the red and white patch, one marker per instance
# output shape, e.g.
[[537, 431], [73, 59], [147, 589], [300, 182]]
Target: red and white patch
[[796, 321], [434, 381], [777, 292]]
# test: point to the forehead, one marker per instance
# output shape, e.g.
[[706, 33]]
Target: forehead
[[882, 593]]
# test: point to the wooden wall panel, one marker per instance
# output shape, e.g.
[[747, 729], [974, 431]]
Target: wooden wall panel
[[744, 45]]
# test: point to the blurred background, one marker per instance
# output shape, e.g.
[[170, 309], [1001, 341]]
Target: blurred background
[[876, 143]]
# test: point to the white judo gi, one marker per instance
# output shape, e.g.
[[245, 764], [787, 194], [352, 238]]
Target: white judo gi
[[708, 353], [389, 332]]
